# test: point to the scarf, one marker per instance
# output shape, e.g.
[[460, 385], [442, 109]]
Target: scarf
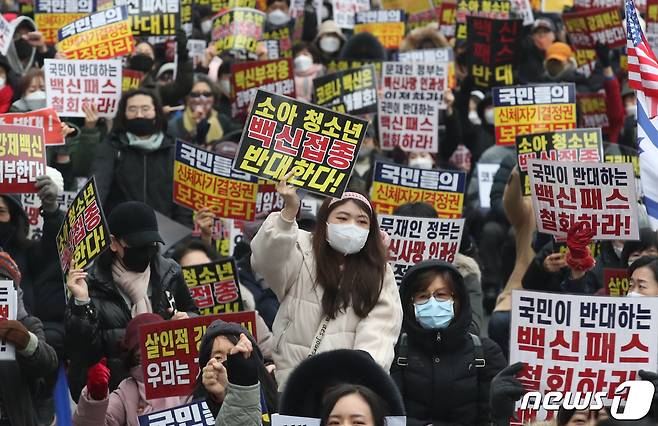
[[134, 285], [215, 132], [149, 144]]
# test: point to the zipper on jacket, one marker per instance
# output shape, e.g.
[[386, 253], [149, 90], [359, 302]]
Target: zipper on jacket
[[283, 333], [144, 178]]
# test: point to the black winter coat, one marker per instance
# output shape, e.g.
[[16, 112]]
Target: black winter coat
[[94, 331], [440, 385]]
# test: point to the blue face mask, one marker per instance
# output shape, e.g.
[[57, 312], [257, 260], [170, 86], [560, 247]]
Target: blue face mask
[[435, 313]]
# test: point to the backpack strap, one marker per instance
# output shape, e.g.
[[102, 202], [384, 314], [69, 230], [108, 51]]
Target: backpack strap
[[403, 351], [478, 353]]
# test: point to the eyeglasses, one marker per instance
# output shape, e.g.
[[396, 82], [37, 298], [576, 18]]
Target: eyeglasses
[[439, 295], [200, 94], [145, 109]]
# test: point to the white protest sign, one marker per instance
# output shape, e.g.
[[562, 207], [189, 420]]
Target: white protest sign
[[6, 33], [196, 49], [32, 206], [8, 307], [280, 420], [486, 173]]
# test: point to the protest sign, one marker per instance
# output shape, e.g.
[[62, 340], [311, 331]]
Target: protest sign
[[589, 27], [592, 110], [616, 282], [409, 109], [45, 119], [283, 40], [238, 29], [580, 343], [6, 34], [102, 35], [494, 9], [582, 145], [51, 15], [493, 44], [186, 16], [221, 5], [195, 413], [203, 179], [197, 50], [423, 19], [170, 350], [409, 6], [652, 17], [283, 134], [448, 18], [486, 173], [536, 108], [225, 233], [214, 287], [601, 194], [522, 9], [628, 157], [32, 206], [23, 156], [153, 18], [595, 4], [441, 55], [131, 79], [585, 61], [282, 420], [272, 47], [394, 185], [386, 25], [72, 84], [84, 233], [248, 77], [353, 91], [268, 199], [344, 65], [414, 240], [8, 311], [344, 11]]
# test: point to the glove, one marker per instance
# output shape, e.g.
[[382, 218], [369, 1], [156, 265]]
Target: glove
[[603, 54], [505, 391], [579, 257], [181, 47], [14, 332], [242, 371], [47, 193], [98, 380]]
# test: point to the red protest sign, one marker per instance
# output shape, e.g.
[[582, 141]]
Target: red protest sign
[[45, 119], [23, 156], [170, 351], [616, 282], [590, 27]]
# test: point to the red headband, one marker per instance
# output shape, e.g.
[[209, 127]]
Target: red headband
[[353, 195]]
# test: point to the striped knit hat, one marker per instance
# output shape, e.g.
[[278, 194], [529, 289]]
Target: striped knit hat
[[9, 269]]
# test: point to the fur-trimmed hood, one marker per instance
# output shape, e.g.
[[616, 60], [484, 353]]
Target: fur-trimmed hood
[[430, 33]]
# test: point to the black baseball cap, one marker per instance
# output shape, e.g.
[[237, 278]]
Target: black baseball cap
[[135, 223]]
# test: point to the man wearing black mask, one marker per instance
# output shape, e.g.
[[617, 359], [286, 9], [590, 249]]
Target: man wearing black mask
[[129, 279], [28, 48]]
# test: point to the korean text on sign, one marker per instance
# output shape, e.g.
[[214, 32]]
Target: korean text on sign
[[414, 240], [247, 77], [616, 282], [192, 414], [283, 134], [102, 35], [582, 145], [153, 18], [23, 155], [170, 351], [592, 109], [521, 110], [214, 287], [601, 194], [72, 84], [344, 11], [580, 343], [84, 233], [203, 179], [45, 119], [32, 206], [282, 40], [394, 185], [51, 15], [8, 311], [494, 9], [587, 28], [409, 108], [386, 25], [495, 43], [238, 30], [352, 91]]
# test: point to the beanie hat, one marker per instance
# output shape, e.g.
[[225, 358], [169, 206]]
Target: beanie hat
[[9, 269], [131, 338]]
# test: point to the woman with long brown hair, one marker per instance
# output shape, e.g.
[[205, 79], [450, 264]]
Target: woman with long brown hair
[[335, 287]]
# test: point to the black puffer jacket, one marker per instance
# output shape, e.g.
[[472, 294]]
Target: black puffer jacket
[[94, 331], [124, 173], [440, 384]]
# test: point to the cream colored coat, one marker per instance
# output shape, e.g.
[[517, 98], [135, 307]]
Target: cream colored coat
[[283, 255]]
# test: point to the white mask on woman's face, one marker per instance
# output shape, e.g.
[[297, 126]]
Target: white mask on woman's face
[[346, 238], [489, 116], [35, 100], [278, 17], [474, 118], [206, 26], [631, 110], [330, 44], [421, 162], [635, 294], [303, 63]]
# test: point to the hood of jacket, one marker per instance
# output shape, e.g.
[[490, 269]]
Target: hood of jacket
[[430, 33], [12, 57], [435, 340], [307, 384], [222, 328]]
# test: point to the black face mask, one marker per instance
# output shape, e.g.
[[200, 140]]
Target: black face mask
[[141, 126], [137, 259], [23, 49], [141, 62], [6, 231]]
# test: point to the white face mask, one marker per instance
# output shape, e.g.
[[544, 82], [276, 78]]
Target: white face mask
[[206, 26], [35, 100], [474, 118], [421, 163], [634, 294], [489, 116], [225, 87], [330, 44], [631, 110], [278, 17], [303, 63], [346, 238]]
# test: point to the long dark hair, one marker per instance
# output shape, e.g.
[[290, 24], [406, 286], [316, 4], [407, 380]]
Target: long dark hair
[[361, 279], [378, 406], [120, 120]]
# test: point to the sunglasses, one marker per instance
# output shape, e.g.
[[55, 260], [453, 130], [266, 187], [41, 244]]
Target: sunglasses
[[200, 94]]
